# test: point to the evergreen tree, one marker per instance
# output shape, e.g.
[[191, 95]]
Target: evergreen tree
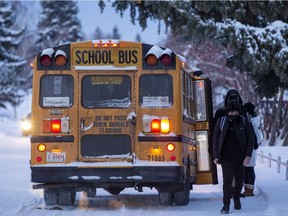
[[10, 63], [257, 31], [115, 33], [138, 38], [97, 34], [58, 23]]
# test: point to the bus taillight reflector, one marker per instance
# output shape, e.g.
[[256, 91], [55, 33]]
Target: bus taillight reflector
[[155, 126], [170, 147], [39, 159], [165, 125], [46, 60], [151, 59], [173, 158], [41, 147], [56, 126]]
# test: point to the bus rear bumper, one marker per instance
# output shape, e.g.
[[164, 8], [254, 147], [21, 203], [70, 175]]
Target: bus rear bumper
[[103, 177]]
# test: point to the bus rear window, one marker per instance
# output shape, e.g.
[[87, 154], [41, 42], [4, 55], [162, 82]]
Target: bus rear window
[[56, 91], [106, 91], [156, 90]]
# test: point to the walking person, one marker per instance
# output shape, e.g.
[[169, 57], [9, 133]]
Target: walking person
[[232, 148], [231, 94], [249, 180]]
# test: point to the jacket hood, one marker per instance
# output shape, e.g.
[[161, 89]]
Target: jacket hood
[[233, 94]]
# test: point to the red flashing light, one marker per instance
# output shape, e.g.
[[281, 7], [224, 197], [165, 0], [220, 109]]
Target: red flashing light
[[56, 126], [46, 60], [39, 159], [166, 59], [155, 126]]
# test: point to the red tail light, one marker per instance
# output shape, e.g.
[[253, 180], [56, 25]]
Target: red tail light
[[155, 126], [56, 126]]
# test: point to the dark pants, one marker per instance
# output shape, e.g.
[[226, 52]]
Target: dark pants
[[229, 171], [249, 176]]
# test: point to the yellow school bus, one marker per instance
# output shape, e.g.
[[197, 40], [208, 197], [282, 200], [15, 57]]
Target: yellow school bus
[[116, 114]]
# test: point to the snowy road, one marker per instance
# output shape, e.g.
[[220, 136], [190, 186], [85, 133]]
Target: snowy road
[[18, 198]]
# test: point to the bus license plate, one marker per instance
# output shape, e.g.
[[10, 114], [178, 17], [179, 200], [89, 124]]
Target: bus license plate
[[56, 156]]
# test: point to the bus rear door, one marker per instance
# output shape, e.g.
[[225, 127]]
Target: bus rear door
[[106, 113]]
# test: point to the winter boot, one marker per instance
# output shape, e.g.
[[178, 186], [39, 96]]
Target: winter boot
[[237, 203], [248, 191], [225, 209]]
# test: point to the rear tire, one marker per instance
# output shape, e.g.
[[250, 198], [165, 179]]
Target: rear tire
[[182, 198], [67, 198], [51, 197], [165, 198]]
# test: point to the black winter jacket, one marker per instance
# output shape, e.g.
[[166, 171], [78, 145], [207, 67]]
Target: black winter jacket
[[244, 134]]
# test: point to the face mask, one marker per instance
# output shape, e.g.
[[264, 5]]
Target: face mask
[[233, 117]]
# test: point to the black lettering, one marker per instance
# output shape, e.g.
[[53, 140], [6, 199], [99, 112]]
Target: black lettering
[[120, 118], [121, 56], [105, 57], [98, 57], [134, 55], [128, 56], [91, 57], [78, 58], [107, 118], [84, 53], [110, 58], [100, 124]]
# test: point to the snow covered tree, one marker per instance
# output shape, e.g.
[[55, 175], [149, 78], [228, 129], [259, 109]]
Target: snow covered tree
[[97, 33], [257, 31], [138, 37], [115, 33], [58, 23], [11, 63]]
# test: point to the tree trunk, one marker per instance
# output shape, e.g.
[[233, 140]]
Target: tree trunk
[[276, 122]]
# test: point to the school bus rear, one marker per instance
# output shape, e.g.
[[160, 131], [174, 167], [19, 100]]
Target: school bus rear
[[106, 115]]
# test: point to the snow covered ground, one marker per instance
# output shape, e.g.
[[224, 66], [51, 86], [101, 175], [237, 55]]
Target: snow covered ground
[[18, 198]]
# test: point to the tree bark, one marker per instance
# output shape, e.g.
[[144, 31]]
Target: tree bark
[[276, 122]]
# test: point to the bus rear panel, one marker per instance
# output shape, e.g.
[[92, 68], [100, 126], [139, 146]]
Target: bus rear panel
[[113, 114]]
